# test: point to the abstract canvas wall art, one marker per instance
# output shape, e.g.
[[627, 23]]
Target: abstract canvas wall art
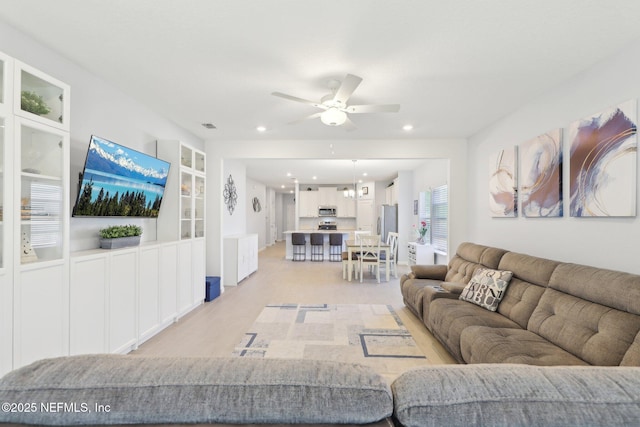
[[503, 189], [541, 175], [603, 163]]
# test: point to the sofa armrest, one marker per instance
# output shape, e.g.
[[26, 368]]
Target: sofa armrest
[[509, 394], [435, 272], [453, 287]]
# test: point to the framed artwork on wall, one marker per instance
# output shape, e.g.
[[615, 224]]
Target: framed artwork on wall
[[541, 175], [503, 186], [602, 164]]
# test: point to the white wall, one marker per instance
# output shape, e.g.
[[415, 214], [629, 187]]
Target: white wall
[[101, 109], [602, 242], [257, 221], [235, 222]]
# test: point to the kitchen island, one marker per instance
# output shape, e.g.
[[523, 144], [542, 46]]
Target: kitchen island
[[307, 233]]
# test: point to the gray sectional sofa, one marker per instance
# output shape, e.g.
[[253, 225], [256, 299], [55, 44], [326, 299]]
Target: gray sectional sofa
[[552, 313], [136, 390]]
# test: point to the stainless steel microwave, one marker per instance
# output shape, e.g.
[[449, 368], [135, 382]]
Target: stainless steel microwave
[[327, 211]]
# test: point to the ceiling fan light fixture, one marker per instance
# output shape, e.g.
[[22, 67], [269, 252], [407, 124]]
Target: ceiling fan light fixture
[[333, 117]]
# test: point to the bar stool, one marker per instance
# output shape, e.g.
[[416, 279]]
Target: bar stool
[[299, 246], [335, 247], [317, 247]]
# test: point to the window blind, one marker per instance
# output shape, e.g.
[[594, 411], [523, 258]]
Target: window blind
[[439, 217]]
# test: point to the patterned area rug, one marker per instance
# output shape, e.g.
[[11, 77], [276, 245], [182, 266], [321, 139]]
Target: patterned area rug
[[372, 335]]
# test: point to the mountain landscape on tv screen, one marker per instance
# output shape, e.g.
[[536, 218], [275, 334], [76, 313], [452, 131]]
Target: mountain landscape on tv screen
[[123, 165]]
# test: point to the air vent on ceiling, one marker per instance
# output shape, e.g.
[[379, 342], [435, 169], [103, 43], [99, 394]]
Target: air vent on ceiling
[[209, 125]]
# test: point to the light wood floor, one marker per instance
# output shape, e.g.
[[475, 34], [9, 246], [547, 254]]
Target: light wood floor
[[216, 327]]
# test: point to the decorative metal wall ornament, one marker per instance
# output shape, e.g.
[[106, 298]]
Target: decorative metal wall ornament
[[256, 205], [230, 195]]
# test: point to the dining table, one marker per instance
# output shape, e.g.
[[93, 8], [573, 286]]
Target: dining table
[[354, 246]]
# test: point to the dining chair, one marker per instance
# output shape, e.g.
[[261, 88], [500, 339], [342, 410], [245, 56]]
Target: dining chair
[[358, 233], [369, 254], [345, 264], [392, 241]]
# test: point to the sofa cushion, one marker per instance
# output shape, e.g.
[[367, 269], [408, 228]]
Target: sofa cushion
[[517, 395], [530, 278], [435, 272], [590, 312], [480, 344], [454, 288], [197, 390], [449, 317], [486, 288], [468, 257]]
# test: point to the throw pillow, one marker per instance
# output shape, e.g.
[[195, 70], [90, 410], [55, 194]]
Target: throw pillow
[[486, 288]]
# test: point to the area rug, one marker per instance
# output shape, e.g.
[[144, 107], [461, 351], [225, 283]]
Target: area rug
[[372, 335]]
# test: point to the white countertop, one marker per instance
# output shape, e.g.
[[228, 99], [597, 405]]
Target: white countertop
[[341, 231]]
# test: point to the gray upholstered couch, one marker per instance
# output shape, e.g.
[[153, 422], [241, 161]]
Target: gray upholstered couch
[[552, 313], [126, 390]]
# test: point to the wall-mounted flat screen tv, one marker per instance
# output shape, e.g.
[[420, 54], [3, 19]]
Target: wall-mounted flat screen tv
[[119, 181]]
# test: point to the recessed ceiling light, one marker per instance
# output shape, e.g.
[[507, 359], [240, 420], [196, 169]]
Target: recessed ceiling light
[[364, 174], [261, 128], [282, 186], [407, 127], [314, 177]]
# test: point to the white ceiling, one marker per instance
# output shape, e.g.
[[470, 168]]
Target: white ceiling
[[454, 66]]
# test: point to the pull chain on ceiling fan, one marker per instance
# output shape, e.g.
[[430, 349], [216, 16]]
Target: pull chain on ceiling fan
[[335, 105]]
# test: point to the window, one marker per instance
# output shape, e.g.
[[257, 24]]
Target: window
[[439, 218], [424, 212]]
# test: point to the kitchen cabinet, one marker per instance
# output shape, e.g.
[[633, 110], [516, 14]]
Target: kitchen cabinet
[[328, 196], [308, 202], [391, 193], [240, 257], [346, 206]]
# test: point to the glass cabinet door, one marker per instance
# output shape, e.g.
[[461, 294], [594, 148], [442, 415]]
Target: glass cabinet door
[[186, 194], [199, 162], [6, 71], [40, 97], [41, 192], [199, 207], [186, 157]]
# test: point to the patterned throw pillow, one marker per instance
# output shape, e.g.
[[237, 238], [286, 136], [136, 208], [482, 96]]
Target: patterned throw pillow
[[486, 288]]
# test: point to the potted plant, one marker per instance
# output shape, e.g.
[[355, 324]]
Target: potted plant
[[120, 236]]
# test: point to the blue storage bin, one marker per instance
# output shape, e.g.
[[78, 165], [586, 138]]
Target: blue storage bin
[[212, 288]]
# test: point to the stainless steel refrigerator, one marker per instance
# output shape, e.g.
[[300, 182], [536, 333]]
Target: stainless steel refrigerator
[[387, 221]]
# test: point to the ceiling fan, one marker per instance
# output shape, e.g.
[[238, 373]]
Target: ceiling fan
[[335, 107]]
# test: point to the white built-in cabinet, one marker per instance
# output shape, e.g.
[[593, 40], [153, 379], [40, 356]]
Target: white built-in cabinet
[[182, 216], [34, 254], [53, 303], [121, 298], [240, 257]]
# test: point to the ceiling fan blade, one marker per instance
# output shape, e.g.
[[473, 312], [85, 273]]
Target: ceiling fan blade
[[348, 86], [388, 108], [313, 116], [295, 98], [349, 126]]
